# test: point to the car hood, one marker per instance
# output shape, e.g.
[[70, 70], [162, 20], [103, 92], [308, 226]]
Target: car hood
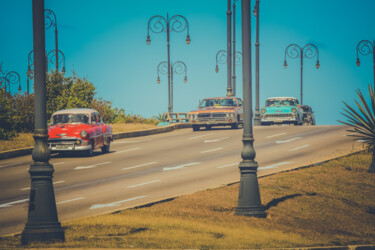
[[67, 130], [279, 109], [214, 110]]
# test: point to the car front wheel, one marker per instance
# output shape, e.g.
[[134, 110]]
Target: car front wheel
[[106, 147], [90, 152], [195, 128]]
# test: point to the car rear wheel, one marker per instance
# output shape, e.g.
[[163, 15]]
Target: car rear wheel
[[106, 147], [235, 125], [208, 127]]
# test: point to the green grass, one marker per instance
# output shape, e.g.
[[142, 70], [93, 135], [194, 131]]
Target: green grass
[[324, 205]]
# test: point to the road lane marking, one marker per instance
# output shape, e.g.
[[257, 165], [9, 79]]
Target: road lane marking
[[142, 184], [117, 203], [199, 136], [58, 163], [128, 150], [57, 182], [275, 165], [138, 166], [230, 165], [211, 150], [91, 166], [181, 166], [123, 142], [216, 140], [9, 204], [290, 140], [304, 146], [76, 199], [275, 135], [13, 164]]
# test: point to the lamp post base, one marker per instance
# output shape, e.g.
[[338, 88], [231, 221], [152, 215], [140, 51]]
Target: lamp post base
[[36, 232], [257, 119], [258, 212]]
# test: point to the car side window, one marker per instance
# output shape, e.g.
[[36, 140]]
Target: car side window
[[239, 102], [93, 119]]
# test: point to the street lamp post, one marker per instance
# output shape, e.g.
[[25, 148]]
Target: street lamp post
[[308, 51], [178, 67], [51, 20], [222, 58], [229, 50], [249, 203], [257, 114], [53, 54], [42, 223], [12, 77], [366, 47], [158, 24]]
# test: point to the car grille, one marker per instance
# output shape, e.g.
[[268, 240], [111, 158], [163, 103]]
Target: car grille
[[212, 116], [278, 115]]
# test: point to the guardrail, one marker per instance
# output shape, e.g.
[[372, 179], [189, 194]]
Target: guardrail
[[176, 117]]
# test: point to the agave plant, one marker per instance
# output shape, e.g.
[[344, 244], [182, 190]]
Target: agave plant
[[362, 122]]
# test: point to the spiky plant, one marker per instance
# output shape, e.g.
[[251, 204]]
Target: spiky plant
[[362, 122]]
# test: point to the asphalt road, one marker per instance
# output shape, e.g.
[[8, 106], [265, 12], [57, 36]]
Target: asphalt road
[[141, 170]]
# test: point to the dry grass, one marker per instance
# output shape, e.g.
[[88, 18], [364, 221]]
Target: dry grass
[[321, 205], [25, 140]]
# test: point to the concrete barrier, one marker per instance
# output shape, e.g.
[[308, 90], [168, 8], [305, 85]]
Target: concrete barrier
[[153, 131]]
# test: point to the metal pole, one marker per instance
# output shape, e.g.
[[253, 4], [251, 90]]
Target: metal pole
[[257, 114], [373, 58], [56, 47], [42, 223], [249, 203], [169, 68], [301, 76], [171, 87], [234, 49], [229, 50]]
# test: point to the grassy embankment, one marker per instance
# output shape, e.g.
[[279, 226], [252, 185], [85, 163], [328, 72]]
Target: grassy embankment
[[316, 206], [25, 140]]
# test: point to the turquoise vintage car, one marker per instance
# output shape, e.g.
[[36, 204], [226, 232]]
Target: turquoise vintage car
[[281, 110]]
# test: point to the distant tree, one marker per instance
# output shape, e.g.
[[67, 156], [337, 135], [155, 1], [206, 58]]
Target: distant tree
[[80, 94], [7, 128], [105, 109], [24, 112], [362, 122]]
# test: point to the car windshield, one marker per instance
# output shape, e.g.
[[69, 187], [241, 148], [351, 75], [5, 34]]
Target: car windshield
[[278, 102], [218, 103], [69, 118]]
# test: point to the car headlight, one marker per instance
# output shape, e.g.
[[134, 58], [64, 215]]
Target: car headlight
[[294, 110], [263, 111], [83, 133], [230, 115]]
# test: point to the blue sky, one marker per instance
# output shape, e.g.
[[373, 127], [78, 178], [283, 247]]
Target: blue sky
[[105, 42]]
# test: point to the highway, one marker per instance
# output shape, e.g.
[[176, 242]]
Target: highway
[[141, 170]]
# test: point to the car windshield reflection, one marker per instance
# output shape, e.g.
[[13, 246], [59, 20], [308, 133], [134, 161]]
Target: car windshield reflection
[[70, 118], [213, 103]]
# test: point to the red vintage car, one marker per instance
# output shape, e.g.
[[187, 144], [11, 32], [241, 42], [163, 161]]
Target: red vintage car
[[78, 130]]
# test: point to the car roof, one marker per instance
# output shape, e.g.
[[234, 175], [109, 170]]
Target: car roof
[[281, 98], [76, 111], [226, 97]]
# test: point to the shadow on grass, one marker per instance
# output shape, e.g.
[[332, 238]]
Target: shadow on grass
[[275, 202]]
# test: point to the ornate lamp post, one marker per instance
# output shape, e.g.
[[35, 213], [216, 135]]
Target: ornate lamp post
[[12, 77], [229, 50], [234, 50], [308, 51], [222, 58], [249, 203], [257, 114], [178, 67], [52, 55], [158, 24], [42, 222], [366, 47], [51, 20]]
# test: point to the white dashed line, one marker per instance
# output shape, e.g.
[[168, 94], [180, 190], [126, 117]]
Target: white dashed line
[[199, 136], [275, 135], [211, 150], [124, 142], [142, 184], [230, 165], [58, 163], [91, 166], [290, 140], [142, 165], [275, 165], [57, 182], [215, 140], [304, 146], [128, 150], [181, 166], [9, 204], [76, 199], [13, 164], [117, 203]]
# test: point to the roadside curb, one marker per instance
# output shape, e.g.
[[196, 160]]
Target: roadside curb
[[117, 136]]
